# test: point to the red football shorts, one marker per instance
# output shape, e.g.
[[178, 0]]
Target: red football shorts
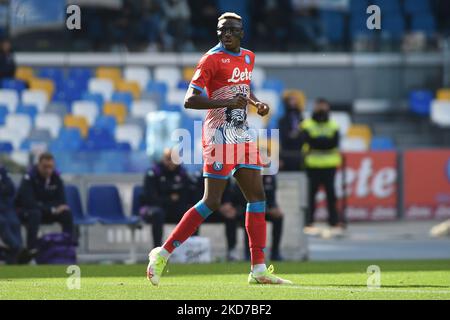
[[223, 160]]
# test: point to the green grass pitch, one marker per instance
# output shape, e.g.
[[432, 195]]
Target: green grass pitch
[[313, 280]]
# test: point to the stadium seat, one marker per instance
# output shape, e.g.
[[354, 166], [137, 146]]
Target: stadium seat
[[256, 122], [394, 26], [50, 122], [273, 84], [141, 108], [6, 147], [55, 74], [129, 86], [382, 144], [94, 97], [29, 110], [366, 106], [46, 85], [440, 113], [99, 139], [258, 77], [3, 113], [110, 73], [389, 6], [87, 109], [123, 146], [59, 108], [188, 73], [12, 136], [139, 74], [80, 75], [169, 75], [156, 91], [9, 98], [21, 123], [417, 6], [74, 202], [117, 110], [424, 23], [106, 122], [38, 98], [104, 204], [333, 24], [135, 203], [360, 131], [353, 144], [103, 86], [443, 95], [343, 119], [14, 84], [176, 97], [130, 133], [24, 73], [79, 122], [420, 102], [69, 139], [123, 97], [40, 135]]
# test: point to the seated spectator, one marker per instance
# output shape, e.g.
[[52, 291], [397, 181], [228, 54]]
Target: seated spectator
[[41, 200], [290, 138], [166, 195], [9, 223]]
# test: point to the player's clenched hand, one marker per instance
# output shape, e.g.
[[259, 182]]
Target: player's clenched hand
[[263, 108], [239, 102]]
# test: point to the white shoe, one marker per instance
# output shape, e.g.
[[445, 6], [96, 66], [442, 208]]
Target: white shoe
[[155, 266], [312, 231], [441, 230]]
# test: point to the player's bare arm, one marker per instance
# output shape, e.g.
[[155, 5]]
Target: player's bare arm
[[194, 100]]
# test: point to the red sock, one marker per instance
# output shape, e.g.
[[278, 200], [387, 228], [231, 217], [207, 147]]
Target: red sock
[[191, 220], [255, 223]]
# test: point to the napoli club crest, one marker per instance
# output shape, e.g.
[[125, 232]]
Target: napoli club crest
[[217, 166], [247, 59]]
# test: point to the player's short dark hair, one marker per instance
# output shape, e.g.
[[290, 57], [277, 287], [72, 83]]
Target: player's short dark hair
[[230, 15], [322, 100], [45, 156]]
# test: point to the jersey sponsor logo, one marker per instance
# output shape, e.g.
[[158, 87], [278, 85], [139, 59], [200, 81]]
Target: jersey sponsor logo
[[226, 60], [239, 75]]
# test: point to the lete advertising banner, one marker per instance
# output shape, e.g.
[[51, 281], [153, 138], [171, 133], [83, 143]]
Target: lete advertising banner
[[427, 184], [370, 187]]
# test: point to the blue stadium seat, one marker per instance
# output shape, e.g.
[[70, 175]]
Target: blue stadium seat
[[14, 84], [388, 6], [30, 110], [99, 139], [69, 140], [3, 113], [95, 97], [6, 147], [123, 146], [333, 23], [358, 27], [393, 26], [417, 6], [183, 85], [104, 203], [80, 75], [106, 122], [358, 7], [274, 84], [123, 97], [137, 191], [74, 202], [55, 74], [425, 23], [382, 144], [420, 102], [159, 89]]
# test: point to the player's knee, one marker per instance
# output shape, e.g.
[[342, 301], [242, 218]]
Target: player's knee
[[212, 204]]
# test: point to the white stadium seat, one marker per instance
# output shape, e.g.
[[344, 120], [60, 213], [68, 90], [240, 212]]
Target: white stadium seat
[[176, 96], [258, 77], [343, 119], [38, 98], [21, 123], [139, 74], [129, 133], [255, 121], [353, 144], [49, 121], [103, 86], [170, 75], [12, 136], [141, 108], [9, 98], [440, 113], [87, 109], [364, 106]]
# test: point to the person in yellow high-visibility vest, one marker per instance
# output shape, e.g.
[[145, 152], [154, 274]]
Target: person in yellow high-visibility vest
[[321, 159]]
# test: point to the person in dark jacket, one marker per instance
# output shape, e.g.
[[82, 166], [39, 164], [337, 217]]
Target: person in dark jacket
[[41, 200], [9, 223], [290, 137], [7, 63], [166, 195]]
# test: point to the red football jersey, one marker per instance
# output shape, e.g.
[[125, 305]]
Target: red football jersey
[[222, 74]]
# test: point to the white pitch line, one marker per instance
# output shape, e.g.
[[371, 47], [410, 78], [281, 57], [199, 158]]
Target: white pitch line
[[362, 290]]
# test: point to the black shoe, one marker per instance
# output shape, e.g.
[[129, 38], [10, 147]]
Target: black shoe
[[25, 256]]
